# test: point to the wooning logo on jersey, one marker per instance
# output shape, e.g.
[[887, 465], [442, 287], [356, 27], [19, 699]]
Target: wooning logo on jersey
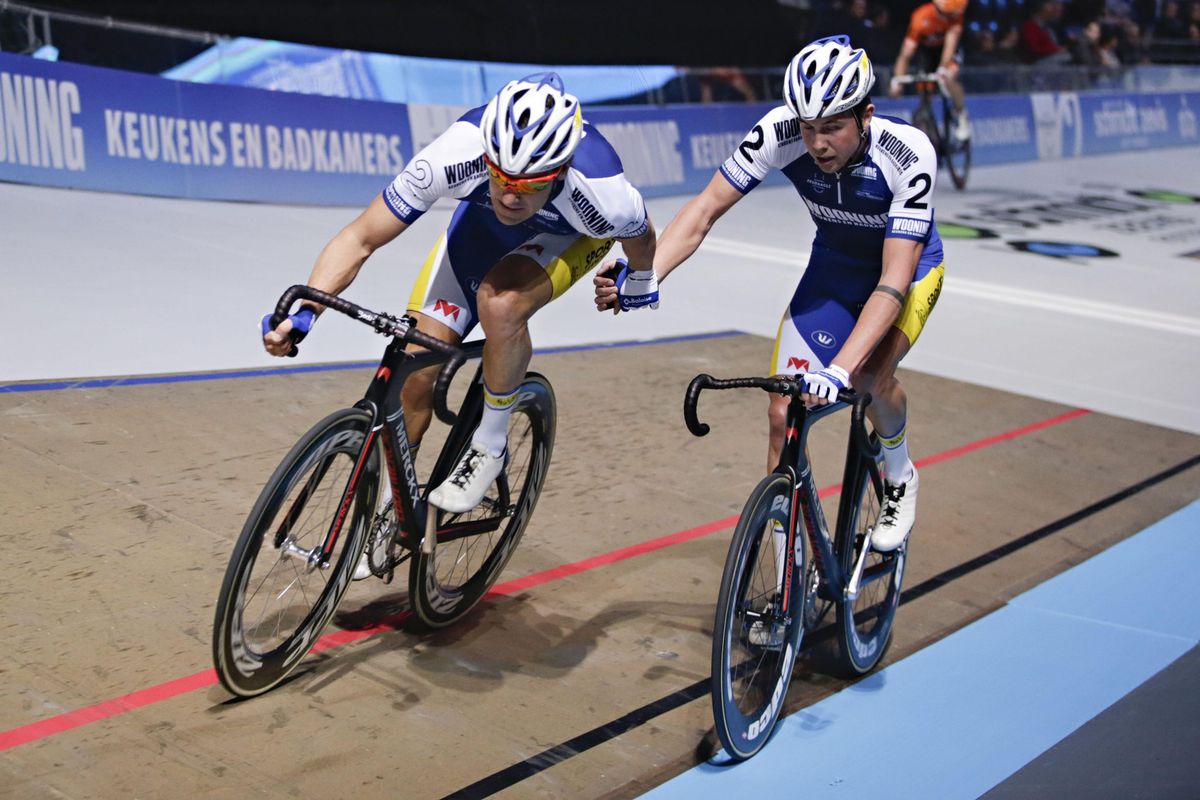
[[910, 227], [590, 215], [787, 130], [463, 171], [825, 214], [865, 171], [740, 179], [447, 309], [1062, 249]]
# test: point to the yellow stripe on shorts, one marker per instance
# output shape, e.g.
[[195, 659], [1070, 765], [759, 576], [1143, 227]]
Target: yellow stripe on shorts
[[922, 297], [416, 300], [580, 258]]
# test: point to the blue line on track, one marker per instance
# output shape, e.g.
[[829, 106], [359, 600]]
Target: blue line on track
[[144, 380], [958, 717]]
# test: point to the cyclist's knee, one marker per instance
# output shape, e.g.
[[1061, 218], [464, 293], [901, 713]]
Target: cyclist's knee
[[417, 390], [777, 417], [505, 311]]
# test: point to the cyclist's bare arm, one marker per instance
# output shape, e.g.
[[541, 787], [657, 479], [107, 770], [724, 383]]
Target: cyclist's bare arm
[[900, 257], [907, 49], [950, 46], [639, 251], [680, 239], [949, 67], [693, 222], [340, 261]]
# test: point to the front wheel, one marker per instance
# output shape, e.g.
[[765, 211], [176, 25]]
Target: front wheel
[[296, 555], [472, 548], [864, 623], [923, 120], [759, 621], [955, 152]]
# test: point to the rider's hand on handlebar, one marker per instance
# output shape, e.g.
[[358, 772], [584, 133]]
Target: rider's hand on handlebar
[[282, 340], [630, 288], [895, 87], [606, 287], [821, 388]]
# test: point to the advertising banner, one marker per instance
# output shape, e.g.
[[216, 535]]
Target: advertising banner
[[90, 128], [84, 127]]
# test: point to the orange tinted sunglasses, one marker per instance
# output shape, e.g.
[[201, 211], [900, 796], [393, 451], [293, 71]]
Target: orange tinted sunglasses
[[529, 185]]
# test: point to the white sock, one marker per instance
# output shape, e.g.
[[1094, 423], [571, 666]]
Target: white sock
[[492, 433], [896, 464]]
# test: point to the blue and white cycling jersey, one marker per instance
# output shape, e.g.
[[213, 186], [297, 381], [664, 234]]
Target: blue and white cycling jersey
[[889, 193], [594, 200]]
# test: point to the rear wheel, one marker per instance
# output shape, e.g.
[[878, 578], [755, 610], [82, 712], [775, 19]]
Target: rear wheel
[[472, 548], [288, 573], [864, 623], [759, 621]]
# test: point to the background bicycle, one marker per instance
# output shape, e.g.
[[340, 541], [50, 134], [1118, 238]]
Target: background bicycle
[[351, 484], [786, 569], [937, 118]]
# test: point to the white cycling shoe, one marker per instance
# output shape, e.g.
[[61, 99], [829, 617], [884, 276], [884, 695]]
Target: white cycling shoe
[[962, 128], [468, 483], [897, 515]]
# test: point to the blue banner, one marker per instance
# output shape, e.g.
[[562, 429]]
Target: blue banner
[[84, 127], [90, 128]]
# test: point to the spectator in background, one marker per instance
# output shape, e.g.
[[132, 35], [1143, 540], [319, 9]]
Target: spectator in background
[[990, 49], [1169, 24], [1086, 50], [1106, 47], [1194, 22], [725, 84], [878, 37], [1039, 40], [1096, 48]]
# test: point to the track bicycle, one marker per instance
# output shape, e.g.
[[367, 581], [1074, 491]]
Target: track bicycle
[[772, 593], [940, 124], [350, 486]]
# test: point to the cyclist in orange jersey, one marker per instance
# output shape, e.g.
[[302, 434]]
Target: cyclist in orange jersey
[[934, 32]]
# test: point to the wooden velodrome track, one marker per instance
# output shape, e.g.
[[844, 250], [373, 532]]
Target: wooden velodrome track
[[584, 676]]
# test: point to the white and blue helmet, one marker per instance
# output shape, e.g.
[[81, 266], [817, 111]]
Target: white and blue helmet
[[827, 77], [532, 126]]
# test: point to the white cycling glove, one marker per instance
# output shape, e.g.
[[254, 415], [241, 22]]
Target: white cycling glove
[[636, 288], [827, 383]]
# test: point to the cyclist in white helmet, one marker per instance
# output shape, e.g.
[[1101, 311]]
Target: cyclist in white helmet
[[875, 270], [543, 198]]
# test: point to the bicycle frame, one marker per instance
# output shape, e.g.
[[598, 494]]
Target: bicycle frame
[[835, 584], [382, 402]]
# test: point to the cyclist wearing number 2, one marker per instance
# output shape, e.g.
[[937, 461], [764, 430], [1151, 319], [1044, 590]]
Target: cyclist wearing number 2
[[876, 265], [543, 198]]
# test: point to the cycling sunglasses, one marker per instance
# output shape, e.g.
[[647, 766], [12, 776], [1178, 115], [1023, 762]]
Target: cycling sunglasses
[[530, 185]]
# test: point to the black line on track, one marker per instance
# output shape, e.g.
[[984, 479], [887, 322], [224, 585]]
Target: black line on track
[[514, 774]]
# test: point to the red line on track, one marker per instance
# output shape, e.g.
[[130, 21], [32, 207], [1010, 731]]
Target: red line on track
[[116, 706]]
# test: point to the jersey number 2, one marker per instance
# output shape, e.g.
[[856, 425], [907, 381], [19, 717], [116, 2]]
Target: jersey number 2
[[914, 201], [753, 142]]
